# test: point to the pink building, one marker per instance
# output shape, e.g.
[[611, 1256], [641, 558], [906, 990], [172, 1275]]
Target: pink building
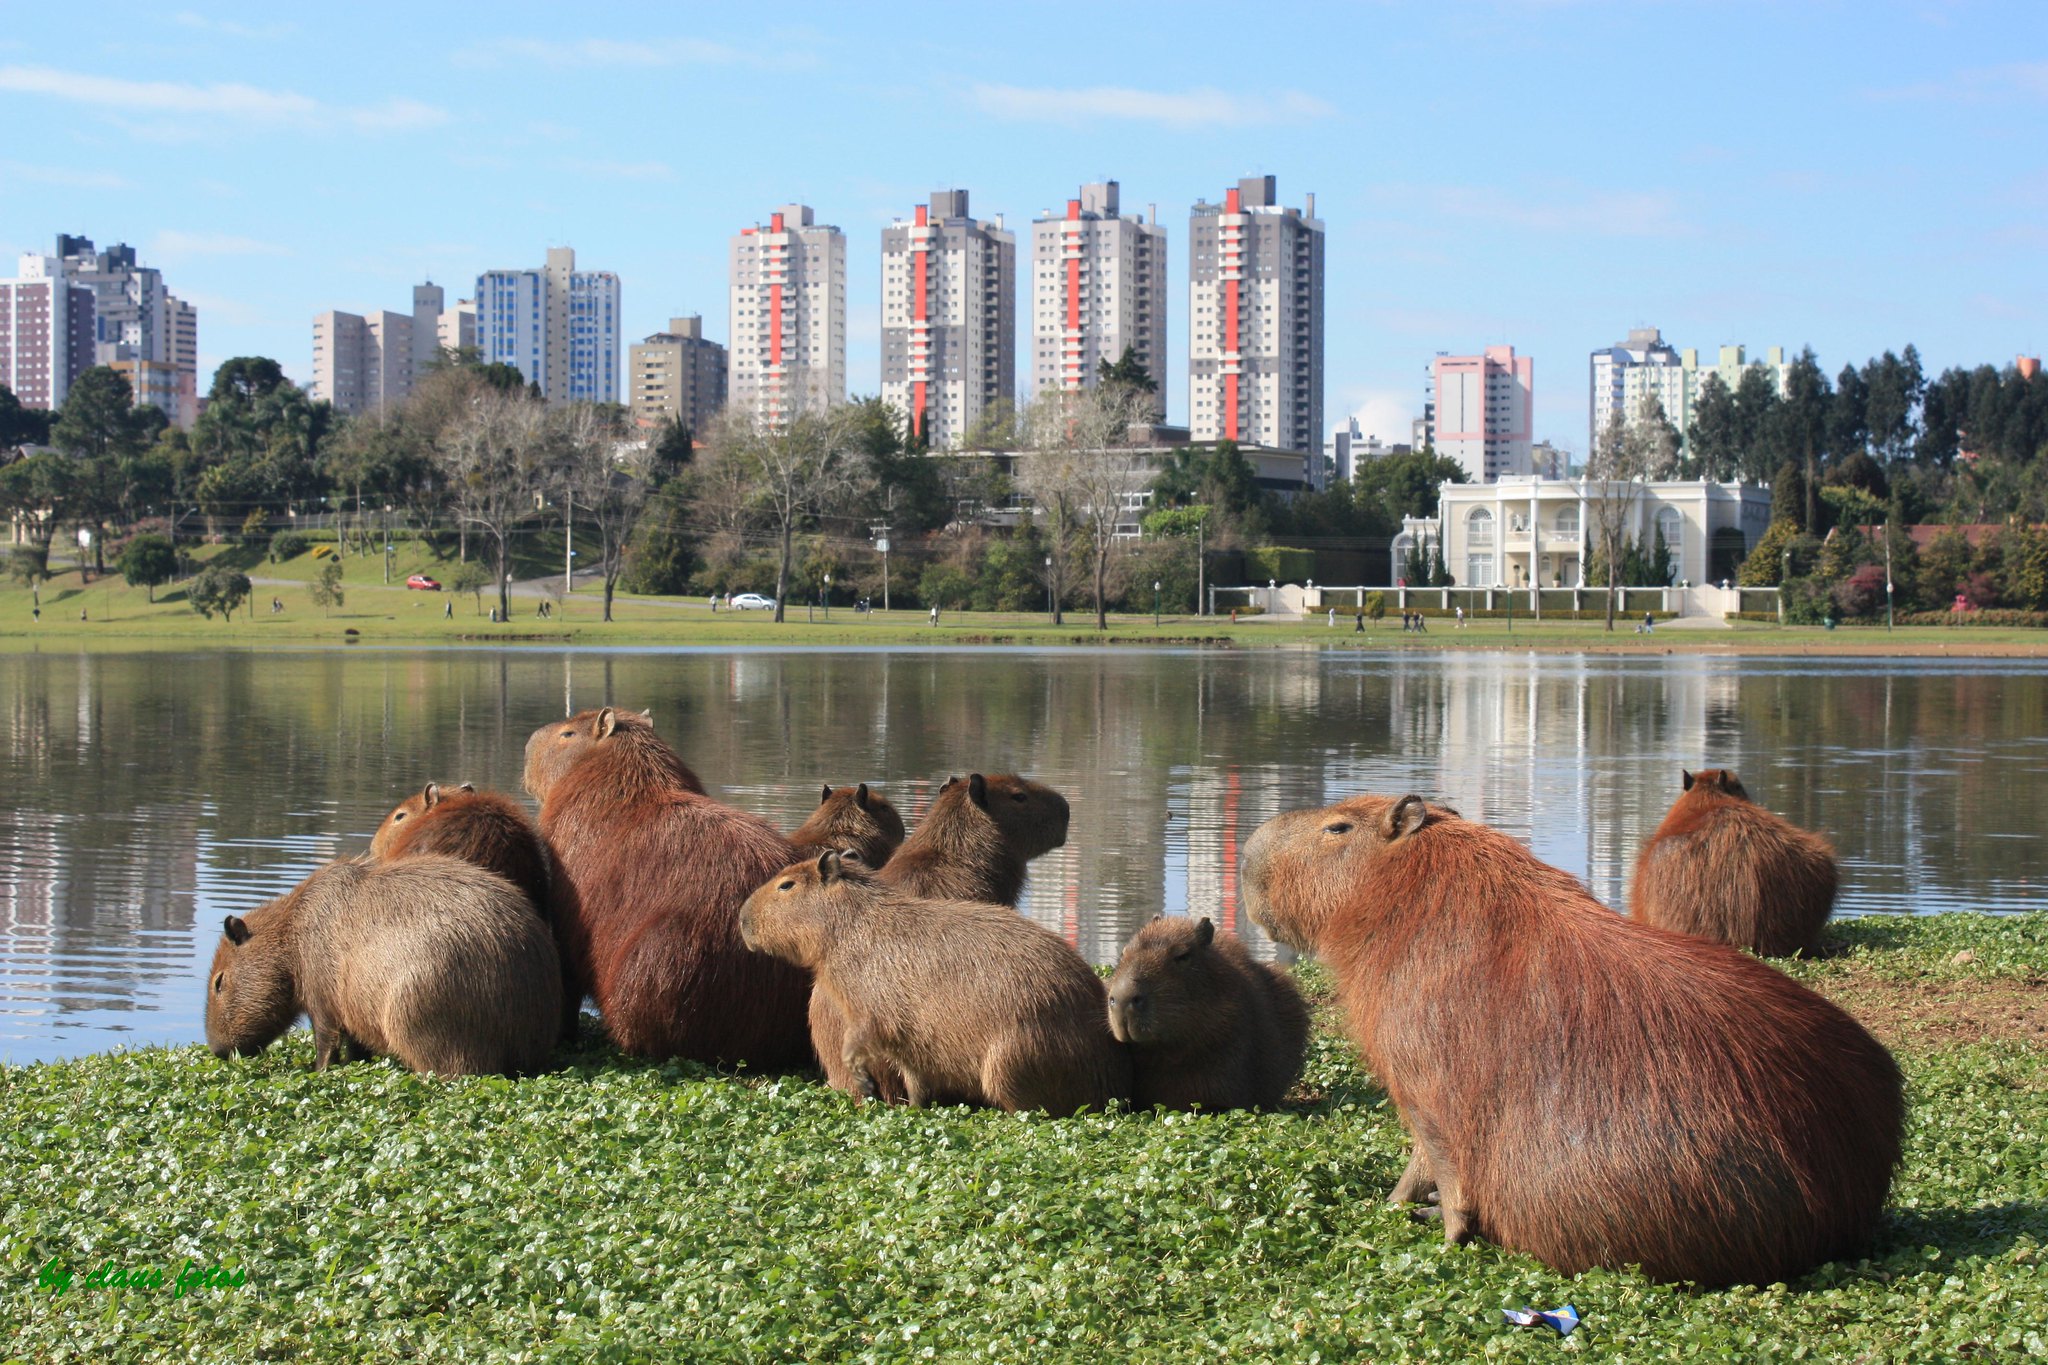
[[46, 332], [1485, 411]]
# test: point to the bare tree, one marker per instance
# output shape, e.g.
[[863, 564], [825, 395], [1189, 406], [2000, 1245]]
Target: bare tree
[[604, 482], [1079, 470], [497, 456], [791, 473], [1625, 457]]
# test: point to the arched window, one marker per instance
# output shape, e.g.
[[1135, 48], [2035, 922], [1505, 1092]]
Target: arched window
[[1671, 526], [1568, 522], [1479, 529], [1404, 545]]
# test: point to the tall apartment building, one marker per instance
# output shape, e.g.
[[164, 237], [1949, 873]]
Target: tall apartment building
[[788, 292], [677, 376], [1255, 321], [949, 318], [557, 325], [1485, 410], [1098, 288], [1622, 375], [362, 362], [46, 331], [137, 320]]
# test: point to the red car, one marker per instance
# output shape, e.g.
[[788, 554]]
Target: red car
[[423, 583]]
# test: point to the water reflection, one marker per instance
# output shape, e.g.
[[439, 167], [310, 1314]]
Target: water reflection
[[148, 795]]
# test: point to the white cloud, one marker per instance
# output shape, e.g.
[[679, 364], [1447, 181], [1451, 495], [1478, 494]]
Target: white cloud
[[173, 243], [599, 52], [229, 28], [1978, 85], [64, 176], [225, 100], [1385, 413], [1199, 108]]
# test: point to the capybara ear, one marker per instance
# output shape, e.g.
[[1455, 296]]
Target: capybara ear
[[469, 787], [607, 721], [1406, 816], [828, 865], [1686, 777], [827, 794], [977, 790], [432, 795], [1727, 781], [860, 796], [850, 857], [949, 783], [1205, 932], [237, 932]]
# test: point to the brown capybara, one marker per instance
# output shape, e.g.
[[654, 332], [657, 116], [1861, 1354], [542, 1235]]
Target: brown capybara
[[965, 1000], [1207, 1027], [489, 830], [649, 877], [856, 818], [426, 958], [1724, 868], [1580, 1087], [972, 845]]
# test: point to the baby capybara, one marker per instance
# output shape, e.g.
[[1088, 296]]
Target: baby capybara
[[1724, 868], [1578, 1086], [964, 1000], [972, 845], [489, 830], [426, 958], [1207, 1027], [851, 817], [649, 877]]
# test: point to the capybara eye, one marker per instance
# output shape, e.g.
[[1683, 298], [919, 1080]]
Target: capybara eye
[[219, 980], [1339, 827], [787, 886], [396, 816], [1016, 796], [568, 734]]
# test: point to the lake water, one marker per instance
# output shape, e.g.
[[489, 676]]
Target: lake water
[[147, 795]]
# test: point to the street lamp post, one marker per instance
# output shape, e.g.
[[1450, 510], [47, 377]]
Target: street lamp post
[[1887, 581], [1048, 585], [828, 596], [1155, 602], [1272, 602], [1785, 572], [1511, 611], [387, 542]]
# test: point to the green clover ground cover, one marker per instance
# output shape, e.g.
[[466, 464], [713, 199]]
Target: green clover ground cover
[[616, 1210]]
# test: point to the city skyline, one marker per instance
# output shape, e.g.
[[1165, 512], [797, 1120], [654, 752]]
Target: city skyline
[[1852, 190]]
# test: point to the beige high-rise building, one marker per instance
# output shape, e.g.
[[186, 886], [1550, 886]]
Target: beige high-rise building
[[1098, 287], [949, 318], [788, 282], [362, 362], [557, 325], [676, 376]]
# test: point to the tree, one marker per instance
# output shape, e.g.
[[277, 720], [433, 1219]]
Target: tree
[[1128, 372], [1801, 420], [42, 492], [1080, 472], [1614, 493], [496, 458], [1893, 387], [327, 592], [218, 588], [20, 426], [471, 577], [1713, 445], [605, 481], [1407, 485], [1756, 409], [790, 473], [148, 559], [1788, 496]]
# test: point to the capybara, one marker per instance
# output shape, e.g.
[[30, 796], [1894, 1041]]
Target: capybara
[[971, 845], [489, 830], [856, 818], [426, 958], [965, 1000], [1724, 868], [1578, 1086], [649, 877], [1207, 1027]]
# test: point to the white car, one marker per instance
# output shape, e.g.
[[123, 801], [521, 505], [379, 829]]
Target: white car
[[753, 601]]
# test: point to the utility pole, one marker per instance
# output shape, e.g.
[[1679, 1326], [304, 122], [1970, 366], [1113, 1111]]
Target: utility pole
[[569, 547], [1201, 565], [880, 535]]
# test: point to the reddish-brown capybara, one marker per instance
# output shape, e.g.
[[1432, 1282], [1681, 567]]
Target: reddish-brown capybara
[[426, 958], [649, 877], [856, 818], [964, 1000], [1724, 868], [972, 845], [489, 830], [1581, 1087], [1207, 1026]]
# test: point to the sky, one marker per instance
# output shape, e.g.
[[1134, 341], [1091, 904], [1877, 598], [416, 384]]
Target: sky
[[1542, 173]]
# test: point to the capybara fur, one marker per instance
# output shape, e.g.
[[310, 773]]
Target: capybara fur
[[650, 874], [1578, 1086], [1207, 1026], [1724, 868], [491, 831], [857, 818], [972, 845], [425, 958], [965, 1000]]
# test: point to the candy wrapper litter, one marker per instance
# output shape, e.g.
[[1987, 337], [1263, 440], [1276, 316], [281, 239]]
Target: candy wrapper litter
[[1564, 1320]]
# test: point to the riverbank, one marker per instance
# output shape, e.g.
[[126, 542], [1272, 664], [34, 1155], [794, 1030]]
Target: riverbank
[[108, 614], [616, 1209]]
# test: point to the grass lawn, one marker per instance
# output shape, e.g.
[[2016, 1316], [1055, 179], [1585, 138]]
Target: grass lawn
[[618, 1210], [118, 616]]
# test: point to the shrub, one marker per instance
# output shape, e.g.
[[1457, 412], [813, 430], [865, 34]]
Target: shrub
[[218, 588], [148, 559], [1279, 564], [29, 564], [2030, 619], [1862, 592], [1376, 605], [288, 545]]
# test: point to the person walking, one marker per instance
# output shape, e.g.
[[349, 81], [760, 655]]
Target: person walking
[[935, 614], [1461, 618], [448, 610]]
